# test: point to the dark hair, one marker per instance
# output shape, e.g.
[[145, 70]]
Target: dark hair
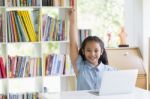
[[103, 58]]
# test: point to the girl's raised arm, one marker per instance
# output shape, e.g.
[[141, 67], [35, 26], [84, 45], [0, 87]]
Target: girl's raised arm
[[73, 40]]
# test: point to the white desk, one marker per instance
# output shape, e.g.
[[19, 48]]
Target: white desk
[[137, 94]]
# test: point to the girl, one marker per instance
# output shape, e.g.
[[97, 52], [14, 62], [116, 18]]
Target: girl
[[90, 61]]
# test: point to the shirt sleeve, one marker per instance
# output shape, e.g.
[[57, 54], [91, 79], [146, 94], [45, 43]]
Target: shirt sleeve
[[79, 62]]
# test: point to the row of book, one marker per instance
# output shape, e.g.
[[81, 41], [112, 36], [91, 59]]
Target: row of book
[[37, 2], [82, 34], [2, 68], [23, 3], [2, 2], [24, 96], [3, 96], [58, 64], [22, 26], [2, 29], [24, 66], [55, 29], [58, 2]]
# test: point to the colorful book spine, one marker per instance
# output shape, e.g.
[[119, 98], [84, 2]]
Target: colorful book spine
[[3, 96], [57, 3], [58, 64], [55, 29], [83, 33], [24, 66], [23, 96], [2, 2], [22, 2], [21, 27], [2, 68], [1, 27]]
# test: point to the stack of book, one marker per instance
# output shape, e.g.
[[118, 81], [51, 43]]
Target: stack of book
[[58, 2], [55, 29], [2, 2], [24, 66], [24, 96], [82, 34], [23, 3], [58, 64], [21, 26]]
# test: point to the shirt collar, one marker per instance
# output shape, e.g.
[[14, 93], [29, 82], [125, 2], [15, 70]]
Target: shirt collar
[[99, 67]]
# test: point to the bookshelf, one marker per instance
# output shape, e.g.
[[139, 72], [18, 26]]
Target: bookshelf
[[34, 44]]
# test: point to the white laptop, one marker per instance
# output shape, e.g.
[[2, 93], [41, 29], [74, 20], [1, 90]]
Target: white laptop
[[117, 82]]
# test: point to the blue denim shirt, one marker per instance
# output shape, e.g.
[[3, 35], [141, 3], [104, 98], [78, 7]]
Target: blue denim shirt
[[89, 77]]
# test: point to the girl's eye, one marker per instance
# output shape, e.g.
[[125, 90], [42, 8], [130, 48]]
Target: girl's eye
[[88, 50], [96, 51]]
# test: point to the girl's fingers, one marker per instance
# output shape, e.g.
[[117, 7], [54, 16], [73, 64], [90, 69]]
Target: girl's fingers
[[71, 11]]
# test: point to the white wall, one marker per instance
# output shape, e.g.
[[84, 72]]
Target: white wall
[[146, 30], [137, 23], [133, 21]]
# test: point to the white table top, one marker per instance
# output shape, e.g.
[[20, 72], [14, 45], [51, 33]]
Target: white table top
[[137, 94]]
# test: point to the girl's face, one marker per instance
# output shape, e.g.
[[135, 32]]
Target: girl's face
[[92, 52]]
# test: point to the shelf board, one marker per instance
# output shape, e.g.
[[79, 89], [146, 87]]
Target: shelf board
[[51, 83], [37, 77], [22, 85], [72, 75], [61, 7], [2, 6], [24, 42], [55, 41], [22, 7], [3, 85], [1, 43]]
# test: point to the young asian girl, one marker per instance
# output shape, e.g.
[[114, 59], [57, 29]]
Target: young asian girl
[[90, 61]]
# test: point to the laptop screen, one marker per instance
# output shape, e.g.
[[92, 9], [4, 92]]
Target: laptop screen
[[118, 82]]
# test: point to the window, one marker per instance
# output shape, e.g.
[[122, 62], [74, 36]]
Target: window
[[104, 17]]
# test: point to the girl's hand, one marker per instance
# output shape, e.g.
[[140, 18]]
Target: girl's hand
[[72, 14]]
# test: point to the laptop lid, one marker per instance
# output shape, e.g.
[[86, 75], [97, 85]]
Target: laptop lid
[[118, 82]]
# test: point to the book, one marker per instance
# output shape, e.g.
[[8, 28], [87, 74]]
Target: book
[[2, 68], [2, 2], [24, 66], [23, 3], [82, 34], [13, 26], [57, 64], [28, 25], [22, 26], [23, 95], [32, 33], [1, 27]]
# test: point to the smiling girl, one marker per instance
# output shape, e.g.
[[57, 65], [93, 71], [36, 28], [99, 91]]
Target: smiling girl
[[90, 61]]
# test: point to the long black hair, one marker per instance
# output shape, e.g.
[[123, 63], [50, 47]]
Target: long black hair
[[103, 58]]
